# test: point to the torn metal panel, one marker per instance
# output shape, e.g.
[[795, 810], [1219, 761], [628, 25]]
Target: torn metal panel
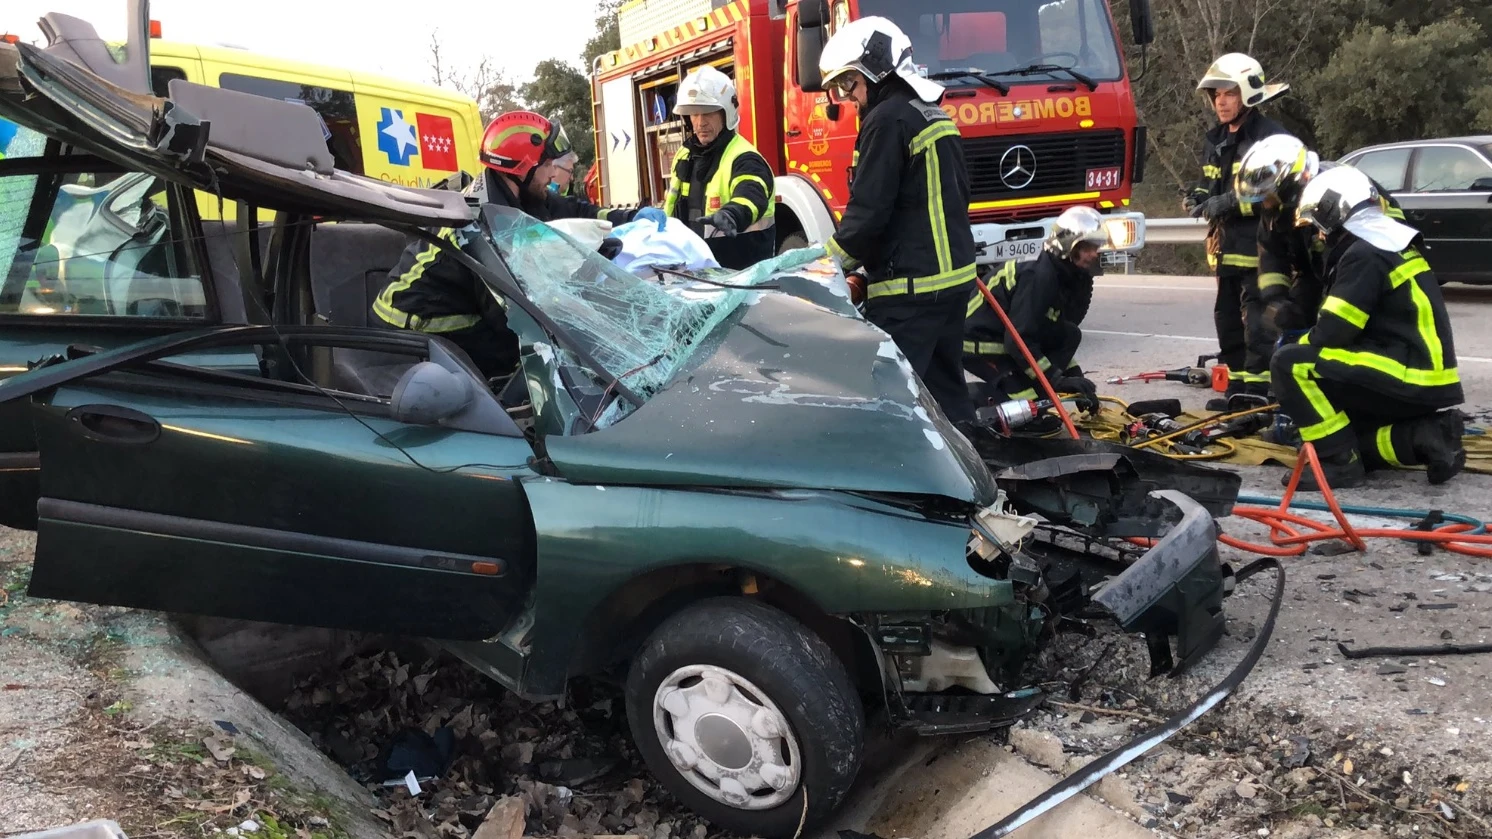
[[1176, 589]]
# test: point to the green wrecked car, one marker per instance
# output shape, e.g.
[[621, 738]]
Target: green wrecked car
[[730, 493]]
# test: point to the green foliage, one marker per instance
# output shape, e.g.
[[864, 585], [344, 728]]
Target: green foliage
[[607, 38], [1386, 84], [558, 89]]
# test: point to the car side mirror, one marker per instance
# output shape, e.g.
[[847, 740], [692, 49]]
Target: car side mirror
[[832, 111], [428, 394], [1142, 23], [1482, 185]]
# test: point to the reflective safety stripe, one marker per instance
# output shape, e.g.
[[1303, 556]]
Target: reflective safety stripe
[[1388, 367], [1331, 420], [932, 134], [756, 212], [922, 285], [675, 187], [1385, 438], [1210, 171], [925, 144], [386, 310], [1244, 207], [1028, 393], [840, 254], [1249, 378], [1346, 311], [1390, 210], [975, 304], [984, 348], [1240, 261], [1271, 280]]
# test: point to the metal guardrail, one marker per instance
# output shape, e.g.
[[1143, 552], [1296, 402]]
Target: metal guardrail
[[1175, 231]]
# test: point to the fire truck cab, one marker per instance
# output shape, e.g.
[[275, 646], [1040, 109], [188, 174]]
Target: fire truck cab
[[1038, 88]]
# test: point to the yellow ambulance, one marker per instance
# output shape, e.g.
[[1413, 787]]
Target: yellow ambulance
[[400, 132]]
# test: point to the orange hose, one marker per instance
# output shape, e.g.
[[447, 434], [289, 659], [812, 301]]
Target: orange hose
[[1031, 360], [1285, 528]]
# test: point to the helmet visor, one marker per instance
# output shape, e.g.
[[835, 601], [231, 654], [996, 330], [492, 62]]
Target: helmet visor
[[557, 144]]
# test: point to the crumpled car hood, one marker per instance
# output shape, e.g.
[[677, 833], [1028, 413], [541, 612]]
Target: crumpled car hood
[[786, 394]]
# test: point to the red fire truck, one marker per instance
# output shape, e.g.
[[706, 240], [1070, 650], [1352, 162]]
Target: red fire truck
[[1038, 88]]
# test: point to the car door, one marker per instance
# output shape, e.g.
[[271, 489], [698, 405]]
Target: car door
[[175, 488], [1454, 217], [92, 254]]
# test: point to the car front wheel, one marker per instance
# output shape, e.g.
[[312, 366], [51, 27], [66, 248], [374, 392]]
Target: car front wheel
[[746, 716]]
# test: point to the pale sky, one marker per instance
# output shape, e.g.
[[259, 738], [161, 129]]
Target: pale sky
[[382, 36]]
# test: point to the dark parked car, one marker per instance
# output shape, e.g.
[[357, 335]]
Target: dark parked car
[[736, 498], [1445, 188]]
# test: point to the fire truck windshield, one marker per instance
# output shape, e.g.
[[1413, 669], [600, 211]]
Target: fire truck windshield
[[1032, 39]]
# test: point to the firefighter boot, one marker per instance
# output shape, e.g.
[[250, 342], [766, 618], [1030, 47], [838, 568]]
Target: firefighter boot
[[1220, 404], [1436, 441], [1341, 470]]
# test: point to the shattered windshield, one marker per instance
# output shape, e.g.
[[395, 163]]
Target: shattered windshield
[[643, 331]]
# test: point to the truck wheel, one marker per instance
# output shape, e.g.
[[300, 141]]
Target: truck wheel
[[744, 714], [792, 241]]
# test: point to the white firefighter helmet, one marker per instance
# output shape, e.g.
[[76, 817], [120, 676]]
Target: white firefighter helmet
[[1238, 70], [707, 89], [1278, 165], [1343, 198], [1075, 226], [875, 47]]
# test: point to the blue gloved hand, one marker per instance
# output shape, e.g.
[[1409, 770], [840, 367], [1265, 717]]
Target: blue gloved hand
[[652, 214]]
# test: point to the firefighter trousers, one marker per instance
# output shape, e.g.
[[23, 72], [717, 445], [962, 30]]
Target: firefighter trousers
[[1003, 377], [1339, 416], [930, 333], [1244, 337]]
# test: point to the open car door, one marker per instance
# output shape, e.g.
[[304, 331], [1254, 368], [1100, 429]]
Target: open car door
[[171, 487], [280, 493]]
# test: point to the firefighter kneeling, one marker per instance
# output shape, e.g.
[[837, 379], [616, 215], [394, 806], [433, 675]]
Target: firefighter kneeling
[[1366, 383], [1035, 296]]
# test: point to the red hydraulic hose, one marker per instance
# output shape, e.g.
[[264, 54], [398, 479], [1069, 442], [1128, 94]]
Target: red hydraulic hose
[[1031, 360]]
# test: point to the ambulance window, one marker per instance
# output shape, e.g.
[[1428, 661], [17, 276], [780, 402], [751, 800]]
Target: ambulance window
[[160, 79], [337, 109]]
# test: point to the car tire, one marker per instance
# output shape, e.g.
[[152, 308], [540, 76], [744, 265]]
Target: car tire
[[776, 721], [792, 241]]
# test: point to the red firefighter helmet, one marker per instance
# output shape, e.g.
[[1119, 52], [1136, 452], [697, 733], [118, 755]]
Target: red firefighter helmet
[[515, 142]]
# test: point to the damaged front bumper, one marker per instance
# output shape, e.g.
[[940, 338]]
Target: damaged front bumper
[[943, 673]]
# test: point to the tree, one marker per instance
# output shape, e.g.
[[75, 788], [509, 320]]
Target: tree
[[490, 87], [560, 90], [608, 36], [1386, 84]]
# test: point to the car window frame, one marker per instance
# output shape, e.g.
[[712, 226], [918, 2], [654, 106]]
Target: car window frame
[[181, 210], [1406, 174], [1419, 148]]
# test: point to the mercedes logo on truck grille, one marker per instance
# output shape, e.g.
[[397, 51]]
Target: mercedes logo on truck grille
[[1018, 167]]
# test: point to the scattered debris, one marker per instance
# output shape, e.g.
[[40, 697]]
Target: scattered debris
[[554, 769], [1443, 649]]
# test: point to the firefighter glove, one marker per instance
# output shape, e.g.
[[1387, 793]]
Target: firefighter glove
[[723, 220], [652, 214], [1286, 315], [1218, 206]]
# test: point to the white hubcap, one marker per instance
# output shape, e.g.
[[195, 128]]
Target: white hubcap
[[728, 738]]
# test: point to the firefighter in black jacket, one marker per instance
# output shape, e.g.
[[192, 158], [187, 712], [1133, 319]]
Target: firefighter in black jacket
[[719, 178], [906, 226], [1035, 296], [1236, 84], [525, 153], [1291, 258], [1366, 384]]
